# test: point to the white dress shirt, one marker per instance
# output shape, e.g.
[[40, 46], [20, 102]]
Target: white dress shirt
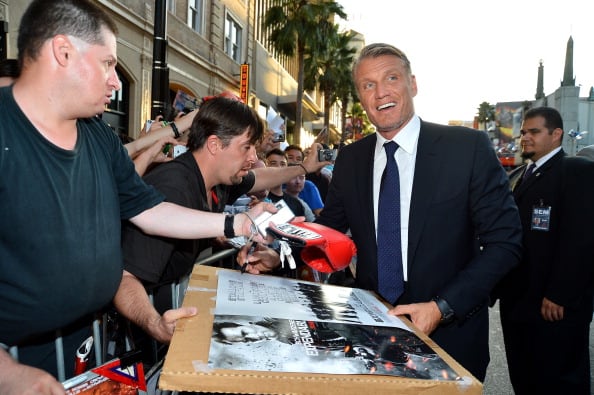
[[407, 139]]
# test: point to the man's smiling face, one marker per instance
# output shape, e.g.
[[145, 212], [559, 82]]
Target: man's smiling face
[[386, 90]]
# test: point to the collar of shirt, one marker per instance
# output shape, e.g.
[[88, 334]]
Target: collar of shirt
[[407, 139], [545, 158]]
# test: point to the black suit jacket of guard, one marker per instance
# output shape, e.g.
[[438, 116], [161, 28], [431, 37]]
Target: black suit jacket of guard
[[464, 229], [558, 263]]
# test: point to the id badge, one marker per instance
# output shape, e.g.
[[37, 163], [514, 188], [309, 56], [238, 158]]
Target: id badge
[[541, 218]]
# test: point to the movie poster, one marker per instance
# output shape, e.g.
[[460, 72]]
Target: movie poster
[[287, 345], [269, 323], [279, 297]]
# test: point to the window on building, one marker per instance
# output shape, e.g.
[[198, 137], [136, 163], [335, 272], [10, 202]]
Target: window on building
[[233, 38], [196, 15], [171, 6], [116, 113]]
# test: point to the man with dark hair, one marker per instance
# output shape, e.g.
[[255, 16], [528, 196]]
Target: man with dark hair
[[67, 182], [295, 154], [310, 193], [546, 302], [215, 171]]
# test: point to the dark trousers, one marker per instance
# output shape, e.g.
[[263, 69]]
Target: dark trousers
[[547, 357]]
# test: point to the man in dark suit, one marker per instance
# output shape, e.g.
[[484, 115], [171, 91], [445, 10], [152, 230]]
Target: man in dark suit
[[546, 301], [460, 229]]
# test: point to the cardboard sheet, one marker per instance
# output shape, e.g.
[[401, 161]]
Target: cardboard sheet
[[186, 364]]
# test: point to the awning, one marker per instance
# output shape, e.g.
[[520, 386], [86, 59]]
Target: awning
[[287, 105]]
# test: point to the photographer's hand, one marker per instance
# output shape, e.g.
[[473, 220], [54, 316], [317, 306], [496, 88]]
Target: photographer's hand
[[311, 162], [153, 154]]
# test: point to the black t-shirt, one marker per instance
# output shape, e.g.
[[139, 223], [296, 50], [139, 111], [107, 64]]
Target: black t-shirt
[[161, 260], [60, 210]]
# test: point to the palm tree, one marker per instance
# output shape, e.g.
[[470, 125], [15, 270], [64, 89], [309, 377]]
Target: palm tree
[[486, 113], [348, 95], [328, 67], [294, 26], [361, 124]]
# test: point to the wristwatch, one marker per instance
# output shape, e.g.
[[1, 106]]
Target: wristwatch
[[447, 313]]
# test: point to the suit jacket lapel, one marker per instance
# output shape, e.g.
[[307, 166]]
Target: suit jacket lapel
[[365, 173], [538, 173], [428, 158]]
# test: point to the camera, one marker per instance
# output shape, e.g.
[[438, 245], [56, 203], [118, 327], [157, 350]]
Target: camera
[[327, 155]]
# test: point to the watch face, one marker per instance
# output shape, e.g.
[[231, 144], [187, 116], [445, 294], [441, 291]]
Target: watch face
[[447, 317]]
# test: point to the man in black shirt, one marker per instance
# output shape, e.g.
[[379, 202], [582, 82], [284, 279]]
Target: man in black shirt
[[215, 171]]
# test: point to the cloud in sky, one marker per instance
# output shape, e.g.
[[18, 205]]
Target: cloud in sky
[[464, 52]]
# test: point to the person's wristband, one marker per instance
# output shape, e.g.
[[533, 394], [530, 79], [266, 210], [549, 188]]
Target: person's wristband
[[229, 222], [176, 132], [303, 167]]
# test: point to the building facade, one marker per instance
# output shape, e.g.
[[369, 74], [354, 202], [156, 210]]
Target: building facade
[[577, 112], [208, 41]]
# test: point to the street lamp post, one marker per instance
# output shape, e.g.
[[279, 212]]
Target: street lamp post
[[160, 78]]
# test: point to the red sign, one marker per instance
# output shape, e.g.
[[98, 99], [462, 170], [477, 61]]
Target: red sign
[[244, 82]]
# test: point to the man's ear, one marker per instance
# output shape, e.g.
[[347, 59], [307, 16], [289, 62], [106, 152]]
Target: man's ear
[[62, 49], [557, 133], [213, 144]]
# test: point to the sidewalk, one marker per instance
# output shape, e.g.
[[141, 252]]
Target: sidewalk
[[497, 380]]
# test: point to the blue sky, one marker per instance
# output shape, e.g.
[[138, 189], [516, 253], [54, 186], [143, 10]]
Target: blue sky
[[464, 52]]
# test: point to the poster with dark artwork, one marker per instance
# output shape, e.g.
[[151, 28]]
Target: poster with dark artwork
[[268, 323], [286, 345]]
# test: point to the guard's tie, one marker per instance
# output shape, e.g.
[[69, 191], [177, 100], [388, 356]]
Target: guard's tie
[[529, 171]]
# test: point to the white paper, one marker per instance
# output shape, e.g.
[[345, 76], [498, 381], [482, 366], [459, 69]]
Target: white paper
[[278, 297]]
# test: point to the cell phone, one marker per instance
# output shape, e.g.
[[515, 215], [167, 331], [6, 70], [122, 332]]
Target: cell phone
[[178, 150], [282, 216], [147, 125]]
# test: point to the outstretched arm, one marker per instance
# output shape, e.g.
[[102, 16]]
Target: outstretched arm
[[132, 301], [171, 220]]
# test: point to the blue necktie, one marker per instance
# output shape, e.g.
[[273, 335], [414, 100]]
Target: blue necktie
[[529, 171], [389, 248]]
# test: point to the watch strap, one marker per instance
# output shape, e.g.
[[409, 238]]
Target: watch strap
[[447, 313], [228, 230]]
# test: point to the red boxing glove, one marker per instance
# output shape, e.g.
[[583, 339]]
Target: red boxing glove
[[324, 249]]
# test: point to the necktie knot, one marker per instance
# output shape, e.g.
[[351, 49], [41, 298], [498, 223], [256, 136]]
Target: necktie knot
[[390, 148], [529, 170]]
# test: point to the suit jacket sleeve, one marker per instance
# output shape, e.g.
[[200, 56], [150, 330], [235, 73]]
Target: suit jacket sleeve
[[492, 217], [571, 279]]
